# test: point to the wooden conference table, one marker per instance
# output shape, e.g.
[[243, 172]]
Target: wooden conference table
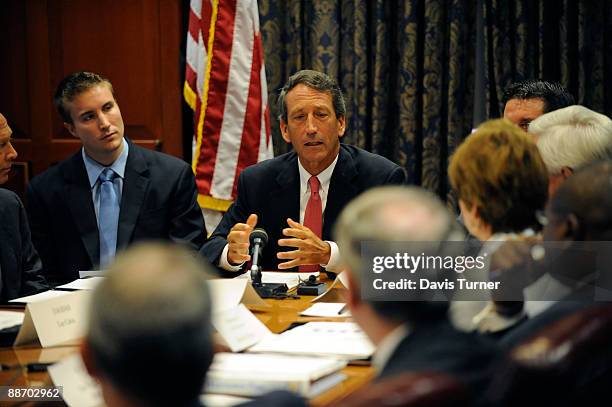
[[277, 318]]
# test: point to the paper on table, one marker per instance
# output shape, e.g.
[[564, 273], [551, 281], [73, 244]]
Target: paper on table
[[227, 293], [79, 389], [82, 284], [221, 400], [10, 318], [342, 339], [45, 295], [327, 310], [239, 327], [250, 375], [92, 273]]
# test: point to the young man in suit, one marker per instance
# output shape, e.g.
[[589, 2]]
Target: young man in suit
[[411, 333], [109, 194], [297, 196], [20, 267]]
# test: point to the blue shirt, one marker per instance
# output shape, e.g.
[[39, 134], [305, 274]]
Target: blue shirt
[[94, 169]]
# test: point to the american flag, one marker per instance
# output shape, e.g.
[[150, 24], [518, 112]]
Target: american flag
[[225, 85]]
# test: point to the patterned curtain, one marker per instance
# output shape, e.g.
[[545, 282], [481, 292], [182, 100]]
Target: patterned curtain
[[568, 41], [406, 68]]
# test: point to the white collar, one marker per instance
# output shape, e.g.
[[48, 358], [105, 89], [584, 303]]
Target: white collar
[[387, 346], [324, 176]]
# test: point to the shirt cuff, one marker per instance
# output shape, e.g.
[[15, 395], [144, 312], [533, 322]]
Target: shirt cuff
[[225, 264], [334, 263]]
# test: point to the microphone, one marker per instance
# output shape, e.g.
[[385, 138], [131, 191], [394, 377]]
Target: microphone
[[258, 240]]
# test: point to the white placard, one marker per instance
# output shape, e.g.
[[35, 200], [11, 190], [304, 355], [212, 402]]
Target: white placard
[[45, 295], [228, 293], [56, 321], [239, 327], [81, 284]]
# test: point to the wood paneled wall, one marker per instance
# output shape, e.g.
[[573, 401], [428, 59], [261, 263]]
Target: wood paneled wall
[[134, 43]]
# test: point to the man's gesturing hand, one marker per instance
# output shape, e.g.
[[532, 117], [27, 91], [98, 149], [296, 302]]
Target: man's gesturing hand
[[310, 249], [238, 241]]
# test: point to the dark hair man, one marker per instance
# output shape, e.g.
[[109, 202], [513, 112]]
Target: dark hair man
[[524, 101], [109, 194], [297, 196]]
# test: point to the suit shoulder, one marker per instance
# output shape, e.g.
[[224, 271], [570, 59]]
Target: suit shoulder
[[157, 157], [8, 196], [52, 176], [366, 158], [270, 167]]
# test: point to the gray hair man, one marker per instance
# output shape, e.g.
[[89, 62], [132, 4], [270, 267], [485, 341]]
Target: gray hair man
[[571, 138], [149, 340], [411, 336]]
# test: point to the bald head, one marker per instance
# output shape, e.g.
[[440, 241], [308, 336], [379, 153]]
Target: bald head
[[149, 325], [5, 130], [587, 196], [7, 152], [391, 214]]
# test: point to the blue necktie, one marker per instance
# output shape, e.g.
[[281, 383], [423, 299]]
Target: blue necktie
[[108, 217]]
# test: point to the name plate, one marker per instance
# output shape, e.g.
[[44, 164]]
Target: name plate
[[228, 293], [56, 321], [239, 328]]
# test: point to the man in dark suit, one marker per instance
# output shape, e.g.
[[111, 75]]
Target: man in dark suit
[[109, 194], [411, 332], [20, 267], [577, 254], [297, 196], [149, 339]]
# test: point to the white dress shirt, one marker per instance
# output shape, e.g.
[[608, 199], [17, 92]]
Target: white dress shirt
[[387, 346], [324, 180]]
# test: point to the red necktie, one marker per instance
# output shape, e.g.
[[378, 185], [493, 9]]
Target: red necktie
[[313, 217]]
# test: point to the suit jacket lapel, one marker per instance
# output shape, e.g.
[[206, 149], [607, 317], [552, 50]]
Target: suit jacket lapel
[[80, 202], [286, 197], [341, 190], [135, 185]]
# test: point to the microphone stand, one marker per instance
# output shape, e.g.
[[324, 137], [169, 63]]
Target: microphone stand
[[264, 290]]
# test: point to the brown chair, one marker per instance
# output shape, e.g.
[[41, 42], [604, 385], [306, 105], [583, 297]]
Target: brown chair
[[410, 390], [569, 362]]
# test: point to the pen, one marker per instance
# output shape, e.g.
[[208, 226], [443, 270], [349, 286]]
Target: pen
[[342, 310]]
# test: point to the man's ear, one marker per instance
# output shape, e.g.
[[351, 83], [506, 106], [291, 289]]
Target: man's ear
[[566, 172], [573, 228], [70, 128], [88, 359], [341, 126], [284, 132]]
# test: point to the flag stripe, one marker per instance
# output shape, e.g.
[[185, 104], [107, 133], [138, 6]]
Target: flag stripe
[[237, 94], [249, 147], [216, 93], [225, 85]]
